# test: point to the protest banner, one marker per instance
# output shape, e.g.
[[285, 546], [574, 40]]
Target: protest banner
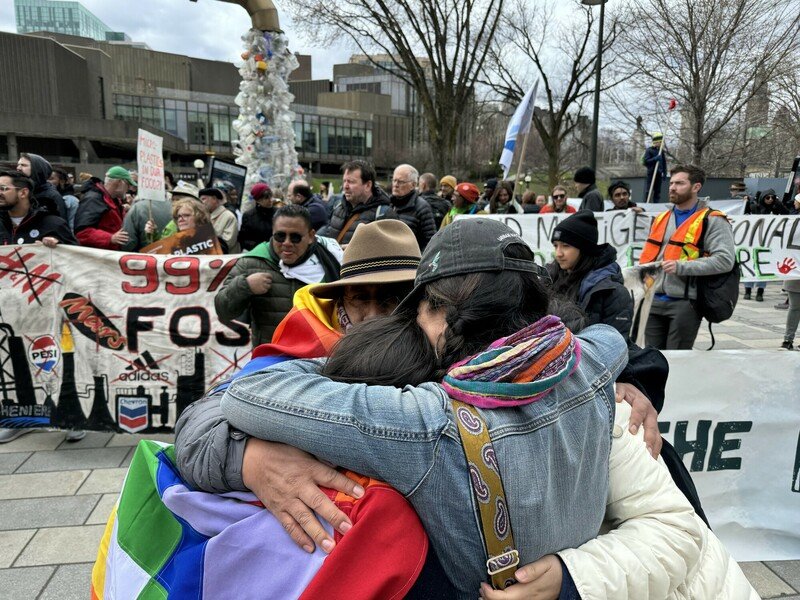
[[739, 435], [150, 167], [767, 246], [199, 240], [110, 340]]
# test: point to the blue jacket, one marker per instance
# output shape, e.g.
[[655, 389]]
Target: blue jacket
[[652, 159], [553, 454]]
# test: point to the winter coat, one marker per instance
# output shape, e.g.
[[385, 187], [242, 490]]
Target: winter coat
[[658, 547], [136, 219], [226, 226], [256, 227], [45, 193], [652, 160], [266, 310], [37, 224], [99, 217], [591, 199], [374, 209], [762, 208], [318, 211], [439, 206], [412, 210]]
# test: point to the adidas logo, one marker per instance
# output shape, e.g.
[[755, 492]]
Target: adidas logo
[[144, 368]]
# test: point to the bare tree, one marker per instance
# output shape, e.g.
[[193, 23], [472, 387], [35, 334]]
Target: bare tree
[[707, 55], [437, 47], [533, 43]]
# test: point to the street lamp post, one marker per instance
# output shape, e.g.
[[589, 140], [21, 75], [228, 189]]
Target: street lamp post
[[598, 66]]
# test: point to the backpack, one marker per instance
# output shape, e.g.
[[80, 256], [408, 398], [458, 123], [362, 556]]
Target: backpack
[[716, 294]]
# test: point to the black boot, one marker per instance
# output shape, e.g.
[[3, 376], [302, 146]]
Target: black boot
[[747, 292], [760, 295]]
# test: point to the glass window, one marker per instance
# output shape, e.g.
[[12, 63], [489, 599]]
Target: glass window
[[169, 103], [310, 136]]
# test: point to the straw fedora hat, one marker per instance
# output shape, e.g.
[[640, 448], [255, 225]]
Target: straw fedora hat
[[383, 251]]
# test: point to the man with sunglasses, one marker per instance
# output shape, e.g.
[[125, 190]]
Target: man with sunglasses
[[559, 204], [263, 282]]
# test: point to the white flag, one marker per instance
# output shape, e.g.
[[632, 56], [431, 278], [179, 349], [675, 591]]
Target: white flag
[[519, 125]]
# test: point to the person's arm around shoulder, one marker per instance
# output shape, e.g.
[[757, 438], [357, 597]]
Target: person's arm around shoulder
[[607, 346], [718, 243], [362, 428], [657, 540]]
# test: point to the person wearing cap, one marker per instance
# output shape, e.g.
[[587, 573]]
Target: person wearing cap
[[225, 223], [656, 162], [559, 203], [465, 198], [363, 202], [591, 198], [257, 222], [44, 192], [489, 187], [588, 274], [447, 186], [264, 281], [619, 192], [414, 437], [409, 206], [100, 216]]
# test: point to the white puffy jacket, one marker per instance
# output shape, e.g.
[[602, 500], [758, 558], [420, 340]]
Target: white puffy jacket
[[657, 547]]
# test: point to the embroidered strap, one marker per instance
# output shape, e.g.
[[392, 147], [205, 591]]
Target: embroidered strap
[[487, 486]]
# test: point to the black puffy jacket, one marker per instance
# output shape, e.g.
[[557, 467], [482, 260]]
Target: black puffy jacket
[[415, 212], [37, 224], [46, 194], [374, 209], [256, 227], [439, 206]]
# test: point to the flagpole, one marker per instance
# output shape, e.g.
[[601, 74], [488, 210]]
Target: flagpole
[[521, 160]]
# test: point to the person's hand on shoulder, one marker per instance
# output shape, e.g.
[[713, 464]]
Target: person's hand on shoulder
[[642, 413]]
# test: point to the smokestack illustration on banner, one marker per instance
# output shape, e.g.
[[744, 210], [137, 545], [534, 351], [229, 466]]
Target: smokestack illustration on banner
[[68, 412]]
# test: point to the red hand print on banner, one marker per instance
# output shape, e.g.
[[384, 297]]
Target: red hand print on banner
[[788, 265]]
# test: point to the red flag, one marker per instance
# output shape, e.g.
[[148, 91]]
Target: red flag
[[672, 103]]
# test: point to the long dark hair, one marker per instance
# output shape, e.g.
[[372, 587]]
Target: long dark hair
[[568, 284], [481, 307], [391, 350], [493, 202]]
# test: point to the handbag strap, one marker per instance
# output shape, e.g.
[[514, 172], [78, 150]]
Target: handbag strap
[[346, 228], [487, 486]]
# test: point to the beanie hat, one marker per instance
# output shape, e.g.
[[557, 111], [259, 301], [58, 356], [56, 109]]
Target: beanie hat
[[468, 191], [618, 184], [584, 175], [259, 190], [448, 180], [491, 184], [578, 230]]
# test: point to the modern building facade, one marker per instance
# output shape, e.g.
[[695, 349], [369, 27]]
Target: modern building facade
[[57, 16]]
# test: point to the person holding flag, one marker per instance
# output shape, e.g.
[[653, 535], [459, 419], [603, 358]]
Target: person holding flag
[[656, 162]]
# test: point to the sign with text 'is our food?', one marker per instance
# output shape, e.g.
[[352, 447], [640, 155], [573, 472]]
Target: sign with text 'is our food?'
[[150, 166]]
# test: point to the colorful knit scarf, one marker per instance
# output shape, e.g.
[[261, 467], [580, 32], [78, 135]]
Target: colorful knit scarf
[[518, 369]]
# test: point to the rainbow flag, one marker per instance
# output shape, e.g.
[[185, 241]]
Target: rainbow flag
[[167, 540]]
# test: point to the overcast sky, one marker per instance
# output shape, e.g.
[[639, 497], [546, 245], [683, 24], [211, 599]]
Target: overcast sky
[[203, 29]]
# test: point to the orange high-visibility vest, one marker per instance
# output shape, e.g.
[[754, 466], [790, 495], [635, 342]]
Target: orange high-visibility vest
[[684, 243]]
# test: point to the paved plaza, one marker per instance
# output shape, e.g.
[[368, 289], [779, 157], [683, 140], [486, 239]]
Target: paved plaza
[[55, 496]]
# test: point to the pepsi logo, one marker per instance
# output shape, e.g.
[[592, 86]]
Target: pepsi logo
[[44, 353]]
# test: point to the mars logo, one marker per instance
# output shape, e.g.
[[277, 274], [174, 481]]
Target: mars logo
[[44, 353], [132, 413], [144, 368]]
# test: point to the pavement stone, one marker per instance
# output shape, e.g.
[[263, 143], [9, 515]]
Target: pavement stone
[[788, 570], [133, 439], [102, 510], [62, 545], [23, 584], [128, 458], [32, 513], [11, 544], [93, 439], [9, 462], [765, 581], [34, 441], [70, 582], [103, 481], [38, 485], [88, 458]]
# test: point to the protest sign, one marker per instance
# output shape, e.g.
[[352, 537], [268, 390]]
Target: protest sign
[[230, 172], [111, 340], [150, 165], [767, 246], [739, 435], [199, 240]]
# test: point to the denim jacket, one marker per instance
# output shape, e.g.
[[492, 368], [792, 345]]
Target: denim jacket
[[553, 454]]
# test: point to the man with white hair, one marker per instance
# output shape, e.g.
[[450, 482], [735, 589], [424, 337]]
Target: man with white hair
[[98, 222], [411, 209]]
